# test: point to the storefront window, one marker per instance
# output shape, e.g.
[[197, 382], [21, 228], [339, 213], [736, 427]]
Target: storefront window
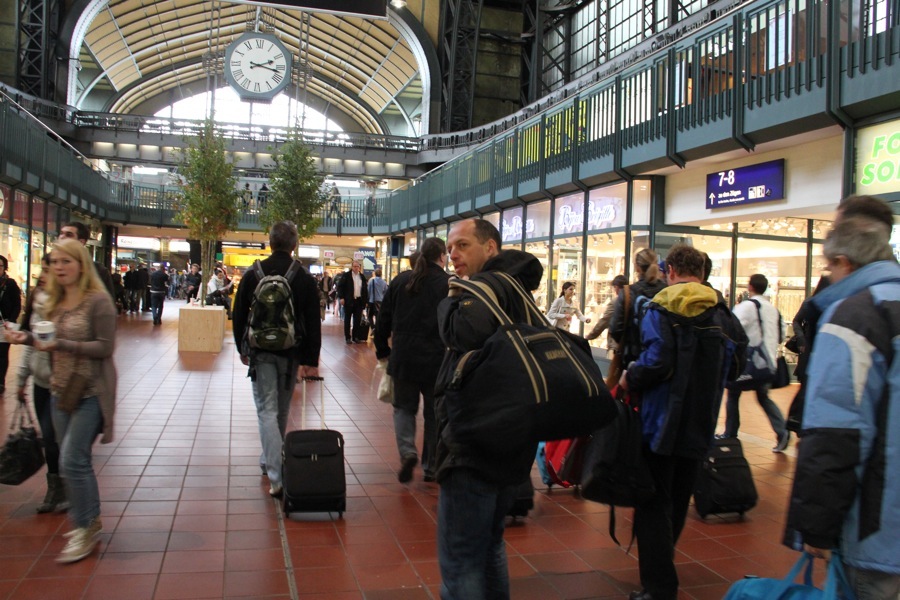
[[640, 210], [37, 252], [821, 229], [785, 226], [783, 264], [537, 221], [606, 207], [494, 219], [441, 232], [512, 227], [567, 258], [14, 245], [569, 218], [537, 236], [719, 250], [605, 259]]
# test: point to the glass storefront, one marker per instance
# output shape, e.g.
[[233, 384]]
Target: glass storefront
[[537, 242]]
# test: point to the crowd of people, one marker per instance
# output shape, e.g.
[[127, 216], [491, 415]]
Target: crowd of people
[[679, 343]]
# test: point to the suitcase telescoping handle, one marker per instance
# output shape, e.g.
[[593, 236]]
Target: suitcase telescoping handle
[[321, 402]]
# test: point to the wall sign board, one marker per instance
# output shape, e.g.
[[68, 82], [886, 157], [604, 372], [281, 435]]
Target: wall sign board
[[762, 182]]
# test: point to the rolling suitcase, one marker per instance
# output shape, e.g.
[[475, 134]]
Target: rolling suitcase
[[313, 466], [724, 483], [361, 331]]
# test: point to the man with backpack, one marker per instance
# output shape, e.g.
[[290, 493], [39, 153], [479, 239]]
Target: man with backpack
[[276, 330], [692, 344], [763, 325]]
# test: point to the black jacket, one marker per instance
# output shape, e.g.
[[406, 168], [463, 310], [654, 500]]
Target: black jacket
[[416, 349], [306, 308], [159, 281], [143, 279], [345, 288], [629, 332], [465, 324], [10, 299]]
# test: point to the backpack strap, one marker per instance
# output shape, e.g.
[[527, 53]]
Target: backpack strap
[[257, 266], [292, 270]]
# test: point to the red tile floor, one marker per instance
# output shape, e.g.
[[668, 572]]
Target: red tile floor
[[186, 513]]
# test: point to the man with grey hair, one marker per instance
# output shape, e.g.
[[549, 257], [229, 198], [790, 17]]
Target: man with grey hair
[[274, 373], [846, 490]]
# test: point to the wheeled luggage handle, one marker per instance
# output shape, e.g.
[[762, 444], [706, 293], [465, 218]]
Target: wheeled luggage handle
[[321, 402]]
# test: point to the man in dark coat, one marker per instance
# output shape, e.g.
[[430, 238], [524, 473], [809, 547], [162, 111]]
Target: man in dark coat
[[80, 232], [10, 307], [354, 296], [409, 318]]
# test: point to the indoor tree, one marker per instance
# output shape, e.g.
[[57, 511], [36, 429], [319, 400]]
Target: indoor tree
[[207, 202], [296, 193]]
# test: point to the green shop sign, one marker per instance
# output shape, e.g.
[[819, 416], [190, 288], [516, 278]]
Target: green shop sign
[[878, 159]]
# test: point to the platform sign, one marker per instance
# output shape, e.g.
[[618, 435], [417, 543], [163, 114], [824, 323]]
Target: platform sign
[[763, 182]]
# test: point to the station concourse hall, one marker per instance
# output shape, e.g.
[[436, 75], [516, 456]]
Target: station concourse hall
[[187, 514]]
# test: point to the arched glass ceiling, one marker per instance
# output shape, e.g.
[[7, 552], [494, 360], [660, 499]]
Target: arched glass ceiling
[[139, 56], [282, 112]]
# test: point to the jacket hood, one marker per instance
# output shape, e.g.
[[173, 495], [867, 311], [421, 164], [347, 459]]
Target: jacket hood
[[687, 299], [883, 271], [521, 265]]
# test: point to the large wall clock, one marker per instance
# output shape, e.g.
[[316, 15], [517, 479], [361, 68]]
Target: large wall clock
[[257, 66]]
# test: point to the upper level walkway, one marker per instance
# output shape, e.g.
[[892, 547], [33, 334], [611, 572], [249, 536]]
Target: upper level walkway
[[186, 514]]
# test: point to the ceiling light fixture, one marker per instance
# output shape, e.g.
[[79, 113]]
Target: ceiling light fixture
[[398, 3]]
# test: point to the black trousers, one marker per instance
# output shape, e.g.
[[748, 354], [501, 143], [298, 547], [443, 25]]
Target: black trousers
[[659, 521], [352, 308], [4, 363]]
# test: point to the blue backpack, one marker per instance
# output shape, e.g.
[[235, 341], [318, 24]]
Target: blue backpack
[[763, 588]]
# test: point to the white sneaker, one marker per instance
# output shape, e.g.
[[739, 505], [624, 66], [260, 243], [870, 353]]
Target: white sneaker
[[82, 542], [275, 490]]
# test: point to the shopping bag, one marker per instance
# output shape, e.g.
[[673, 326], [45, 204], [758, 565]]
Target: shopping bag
[[21, 456], [763, 588]]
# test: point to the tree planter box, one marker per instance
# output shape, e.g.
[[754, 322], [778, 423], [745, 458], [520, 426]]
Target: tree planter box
[[201, 329]]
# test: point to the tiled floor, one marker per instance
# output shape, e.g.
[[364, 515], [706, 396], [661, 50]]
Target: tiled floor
[[186, 513]]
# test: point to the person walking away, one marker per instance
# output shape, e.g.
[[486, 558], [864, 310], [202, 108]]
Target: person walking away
[[692, 345], [36, 365], [563, 308], [353, 293], [159, 287], [10, 307], [408, 317], [618, 284], [845, 493], [627, 335], [763, 325], [477, 489], [377, 289], [273, 373], [84, 318]]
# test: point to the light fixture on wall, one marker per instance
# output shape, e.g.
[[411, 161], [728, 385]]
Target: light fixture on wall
[[609, 239], [398, 3]]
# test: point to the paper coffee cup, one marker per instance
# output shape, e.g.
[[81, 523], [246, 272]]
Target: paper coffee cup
[[45, 331], [10, 326]]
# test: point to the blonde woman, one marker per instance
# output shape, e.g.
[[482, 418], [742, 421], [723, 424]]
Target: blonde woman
[[84, 318]]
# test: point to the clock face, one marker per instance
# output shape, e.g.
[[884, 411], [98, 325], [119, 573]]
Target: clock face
[[257, 66]]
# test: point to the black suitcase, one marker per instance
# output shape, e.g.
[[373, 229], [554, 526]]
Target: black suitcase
[[724, 484], [361, 331], [524, 500], [313, 467]]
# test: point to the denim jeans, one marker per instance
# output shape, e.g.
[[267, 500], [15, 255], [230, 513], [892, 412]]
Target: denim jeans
[[77, 432], [733, 413], [406, 406], [156, 305], [43, 408], [471, 551], [272, 391], [873, 585]]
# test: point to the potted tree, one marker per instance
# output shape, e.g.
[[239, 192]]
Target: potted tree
[[207, 205], [296, 192]]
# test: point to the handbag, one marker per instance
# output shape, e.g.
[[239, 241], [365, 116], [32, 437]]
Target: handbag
[[763, 588], [385, 384], [529, 382], [615, 365], [21, 456], [782, 374]]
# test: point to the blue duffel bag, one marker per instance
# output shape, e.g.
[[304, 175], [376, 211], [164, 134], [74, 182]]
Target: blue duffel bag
[[760, 588]]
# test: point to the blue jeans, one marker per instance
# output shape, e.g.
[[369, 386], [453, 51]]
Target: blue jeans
[[272, 391], [406, 406], [156, 305], [471, 551], [733, 413], [78, 430], [873, 585]]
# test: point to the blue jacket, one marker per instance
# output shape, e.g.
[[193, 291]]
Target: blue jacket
[[692, 344], [847, 486]]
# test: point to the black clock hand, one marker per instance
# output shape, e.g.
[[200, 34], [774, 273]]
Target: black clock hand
[[253, 65]]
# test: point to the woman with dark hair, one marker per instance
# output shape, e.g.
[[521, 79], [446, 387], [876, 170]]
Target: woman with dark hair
[[409, 317], [10, 307], [650, 281], [36, 364], [563, 308]]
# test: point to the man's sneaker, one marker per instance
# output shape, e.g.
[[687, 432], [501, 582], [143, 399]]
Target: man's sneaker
[[82, 542], [724, 436], [782, 442], [404, 475], [275, 490]]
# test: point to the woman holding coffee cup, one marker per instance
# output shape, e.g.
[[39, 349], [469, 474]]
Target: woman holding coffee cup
[[80, 334]]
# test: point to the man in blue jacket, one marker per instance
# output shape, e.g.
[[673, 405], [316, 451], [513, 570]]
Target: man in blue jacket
[[692, 344], [847, 488]]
